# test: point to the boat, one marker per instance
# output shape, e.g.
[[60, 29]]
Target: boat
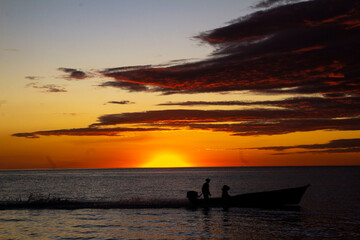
[[267, 199], [270, 199]]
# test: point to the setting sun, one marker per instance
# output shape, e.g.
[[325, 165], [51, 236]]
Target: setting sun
[[166, 160]]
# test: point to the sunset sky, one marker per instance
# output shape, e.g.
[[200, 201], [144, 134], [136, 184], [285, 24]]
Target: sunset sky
[[157, 83]]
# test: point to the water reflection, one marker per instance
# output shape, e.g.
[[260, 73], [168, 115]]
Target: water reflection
[[240, 223], [215, 223]]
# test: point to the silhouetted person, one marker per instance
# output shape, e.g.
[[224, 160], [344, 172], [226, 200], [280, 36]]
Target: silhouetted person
[[225, 189], [206, 189], [30, 198]]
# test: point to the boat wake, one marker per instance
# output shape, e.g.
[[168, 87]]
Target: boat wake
[[72, 204]]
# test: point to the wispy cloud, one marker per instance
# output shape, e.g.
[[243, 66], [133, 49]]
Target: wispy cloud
[[10, 49], [124, 102], [334, 146], [69, 114], [339, 104], [32, 77], [86, 132], [190, 115], [291, 115], [74, 74], [277, 127], [270, 3], [49, 88], [131, 87], [253, 122]]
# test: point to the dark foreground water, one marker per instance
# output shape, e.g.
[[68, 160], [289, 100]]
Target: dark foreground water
[[330, 208]]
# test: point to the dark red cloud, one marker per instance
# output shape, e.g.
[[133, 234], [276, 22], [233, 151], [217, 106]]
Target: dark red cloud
[[247, 123], [334, 146], [131, 87], [86, 132], [297, 115], [74, 74], [307, 114], [121, 102], [307, 47], [346, 105], [187, 115], [293, 115], [270, 127]]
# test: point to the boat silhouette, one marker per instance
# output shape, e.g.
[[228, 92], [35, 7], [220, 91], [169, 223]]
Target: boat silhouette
[[276, 198]]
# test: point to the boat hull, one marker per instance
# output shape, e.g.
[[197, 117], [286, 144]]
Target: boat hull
[[277, 198]]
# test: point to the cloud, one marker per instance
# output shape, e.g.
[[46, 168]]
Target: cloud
[[50, 88], [271, 127], [188, 116], [131, 87], [26, 135], [68, 114], [307, 47], [74, 74], [121, 102], [270, 3], [137, 87], [32, 77], [86, 132], [292, 115], [344, 106], [334, 146], [11, 49], [235, 122]]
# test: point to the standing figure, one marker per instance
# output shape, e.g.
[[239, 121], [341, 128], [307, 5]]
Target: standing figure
[[206, 189], [225, 192]]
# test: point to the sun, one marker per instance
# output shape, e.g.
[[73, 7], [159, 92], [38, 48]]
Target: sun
[[166, 160]]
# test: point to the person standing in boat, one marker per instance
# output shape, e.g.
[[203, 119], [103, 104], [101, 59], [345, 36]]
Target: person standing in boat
[[225, 192], [206, 189]]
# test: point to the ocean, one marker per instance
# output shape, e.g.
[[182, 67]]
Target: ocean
[[330, 208]]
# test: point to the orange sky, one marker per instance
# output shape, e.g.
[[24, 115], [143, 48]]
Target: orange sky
[[179, 86]]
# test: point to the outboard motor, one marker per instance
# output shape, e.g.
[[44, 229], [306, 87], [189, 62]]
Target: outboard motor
[[192, 195]]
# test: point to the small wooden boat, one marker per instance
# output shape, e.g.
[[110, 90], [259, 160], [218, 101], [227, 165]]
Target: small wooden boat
[[277, 198]]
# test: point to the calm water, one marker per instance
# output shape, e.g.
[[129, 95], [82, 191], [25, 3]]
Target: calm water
[[330, 207]]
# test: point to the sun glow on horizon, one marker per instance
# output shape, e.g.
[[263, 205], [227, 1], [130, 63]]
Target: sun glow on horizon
[[166, 160]]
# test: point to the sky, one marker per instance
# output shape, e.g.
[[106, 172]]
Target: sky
[[155, 83]]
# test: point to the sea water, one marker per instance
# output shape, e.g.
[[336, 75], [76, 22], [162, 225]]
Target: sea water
[[330, 208]]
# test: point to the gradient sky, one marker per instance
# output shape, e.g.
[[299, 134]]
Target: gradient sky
[[155, 83]]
